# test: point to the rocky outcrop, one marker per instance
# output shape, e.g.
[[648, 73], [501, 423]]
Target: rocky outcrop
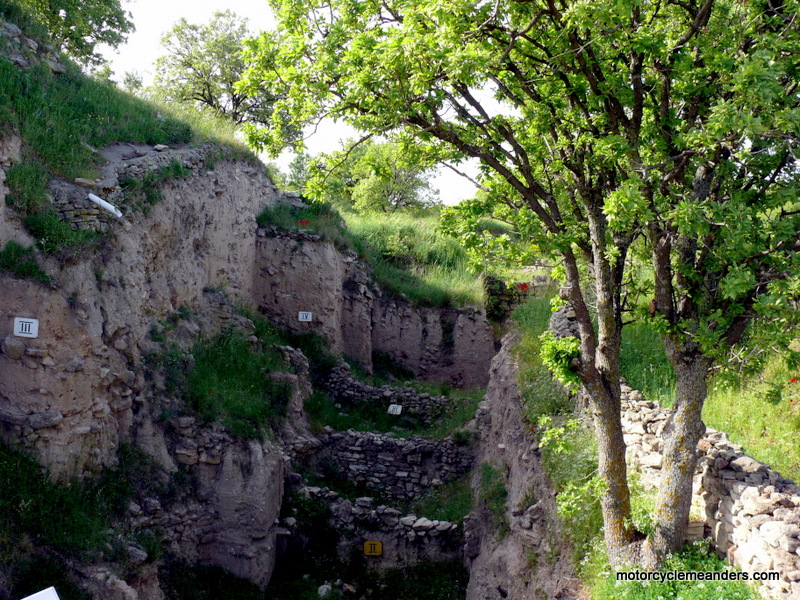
[[532, 561], [24, 52], [751, 513], [403, 469]]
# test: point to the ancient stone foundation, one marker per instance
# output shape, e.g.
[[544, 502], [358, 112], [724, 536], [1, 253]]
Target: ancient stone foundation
[[423, 407], [398, 468], [405, 539]]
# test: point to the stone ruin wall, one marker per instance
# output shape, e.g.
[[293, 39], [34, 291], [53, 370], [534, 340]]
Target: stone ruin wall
[[424, 407], [67, 395], [406, 539], [750, 511], [397, 468]]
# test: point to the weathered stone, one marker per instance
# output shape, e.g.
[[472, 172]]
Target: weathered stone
[[13, 347], [48, 418]]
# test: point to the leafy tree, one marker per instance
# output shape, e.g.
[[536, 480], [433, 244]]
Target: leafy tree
[[668, 128], [203, 64], [370, 176], [78, 26]]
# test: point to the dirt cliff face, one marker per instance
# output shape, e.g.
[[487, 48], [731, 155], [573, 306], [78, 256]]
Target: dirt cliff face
[[67, 394], [532, 561], [301, 272]]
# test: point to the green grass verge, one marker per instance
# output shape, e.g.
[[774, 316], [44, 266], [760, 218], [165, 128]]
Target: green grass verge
[[229, 382], [693, 557], [541, 395], [763, 414], [644, 364]]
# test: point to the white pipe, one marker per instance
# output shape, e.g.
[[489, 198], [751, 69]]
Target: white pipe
[[105, 205]]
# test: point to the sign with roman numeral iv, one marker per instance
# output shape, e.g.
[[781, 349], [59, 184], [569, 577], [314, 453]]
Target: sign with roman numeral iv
[[304, 315], [24, 327]]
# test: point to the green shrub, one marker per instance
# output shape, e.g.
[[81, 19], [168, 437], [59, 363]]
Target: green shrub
[[54, 235], [229, 382], [21, 263]]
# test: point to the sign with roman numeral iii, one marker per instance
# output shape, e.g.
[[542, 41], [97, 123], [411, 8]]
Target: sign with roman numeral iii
[[24, 327]]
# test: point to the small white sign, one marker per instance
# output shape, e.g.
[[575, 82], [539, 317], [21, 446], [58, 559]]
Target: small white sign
[[304, 316], [395, 409], [28, 328], [48, 594]]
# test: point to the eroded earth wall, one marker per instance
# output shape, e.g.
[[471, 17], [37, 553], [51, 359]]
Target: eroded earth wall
[[531, 561]]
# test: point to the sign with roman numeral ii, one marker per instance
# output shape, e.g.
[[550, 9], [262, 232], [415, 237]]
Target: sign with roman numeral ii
[[24, 327], [373, 548]]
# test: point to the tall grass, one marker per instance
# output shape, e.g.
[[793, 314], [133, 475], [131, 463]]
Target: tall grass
[[408, 256], [63, 120], [644, 363], [411, 257], [763, 414], [541, 395], [230, 383]]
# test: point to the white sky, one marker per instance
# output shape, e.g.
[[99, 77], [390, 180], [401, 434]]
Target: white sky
[[153, 18]]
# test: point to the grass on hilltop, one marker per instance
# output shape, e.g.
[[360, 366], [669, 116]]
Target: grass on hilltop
[[408, 256]]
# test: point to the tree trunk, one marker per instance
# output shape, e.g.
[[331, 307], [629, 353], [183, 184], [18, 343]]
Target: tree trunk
[[616, 504], [682, 432]]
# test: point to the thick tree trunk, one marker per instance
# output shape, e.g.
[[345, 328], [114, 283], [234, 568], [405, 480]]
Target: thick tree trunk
[[682, 432], [616, 505]]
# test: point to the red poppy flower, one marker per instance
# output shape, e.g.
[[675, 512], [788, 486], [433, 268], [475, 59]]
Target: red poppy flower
[[793, 380], [523, 286]]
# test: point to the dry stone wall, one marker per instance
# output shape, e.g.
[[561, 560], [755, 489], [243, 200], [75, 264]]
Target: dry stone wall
[[422, 407], [396, 468], [406, 539], [751, 513]]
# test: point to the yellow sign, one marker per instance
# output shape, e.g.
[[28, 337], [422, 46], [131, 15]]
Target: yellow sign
[[373, 548]]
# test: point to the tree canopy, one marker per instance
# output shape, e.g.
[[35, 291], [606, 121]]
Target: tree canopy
[[78, 26], [666, 129], [370, 177], [203, 64]]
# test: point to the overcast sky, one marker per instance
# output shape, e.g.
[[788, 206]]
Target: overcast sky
[[153, 18]]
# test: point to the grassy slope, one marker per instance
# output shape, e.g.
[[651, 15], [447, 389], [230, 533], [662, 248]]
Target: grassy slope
[[407, 255]]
